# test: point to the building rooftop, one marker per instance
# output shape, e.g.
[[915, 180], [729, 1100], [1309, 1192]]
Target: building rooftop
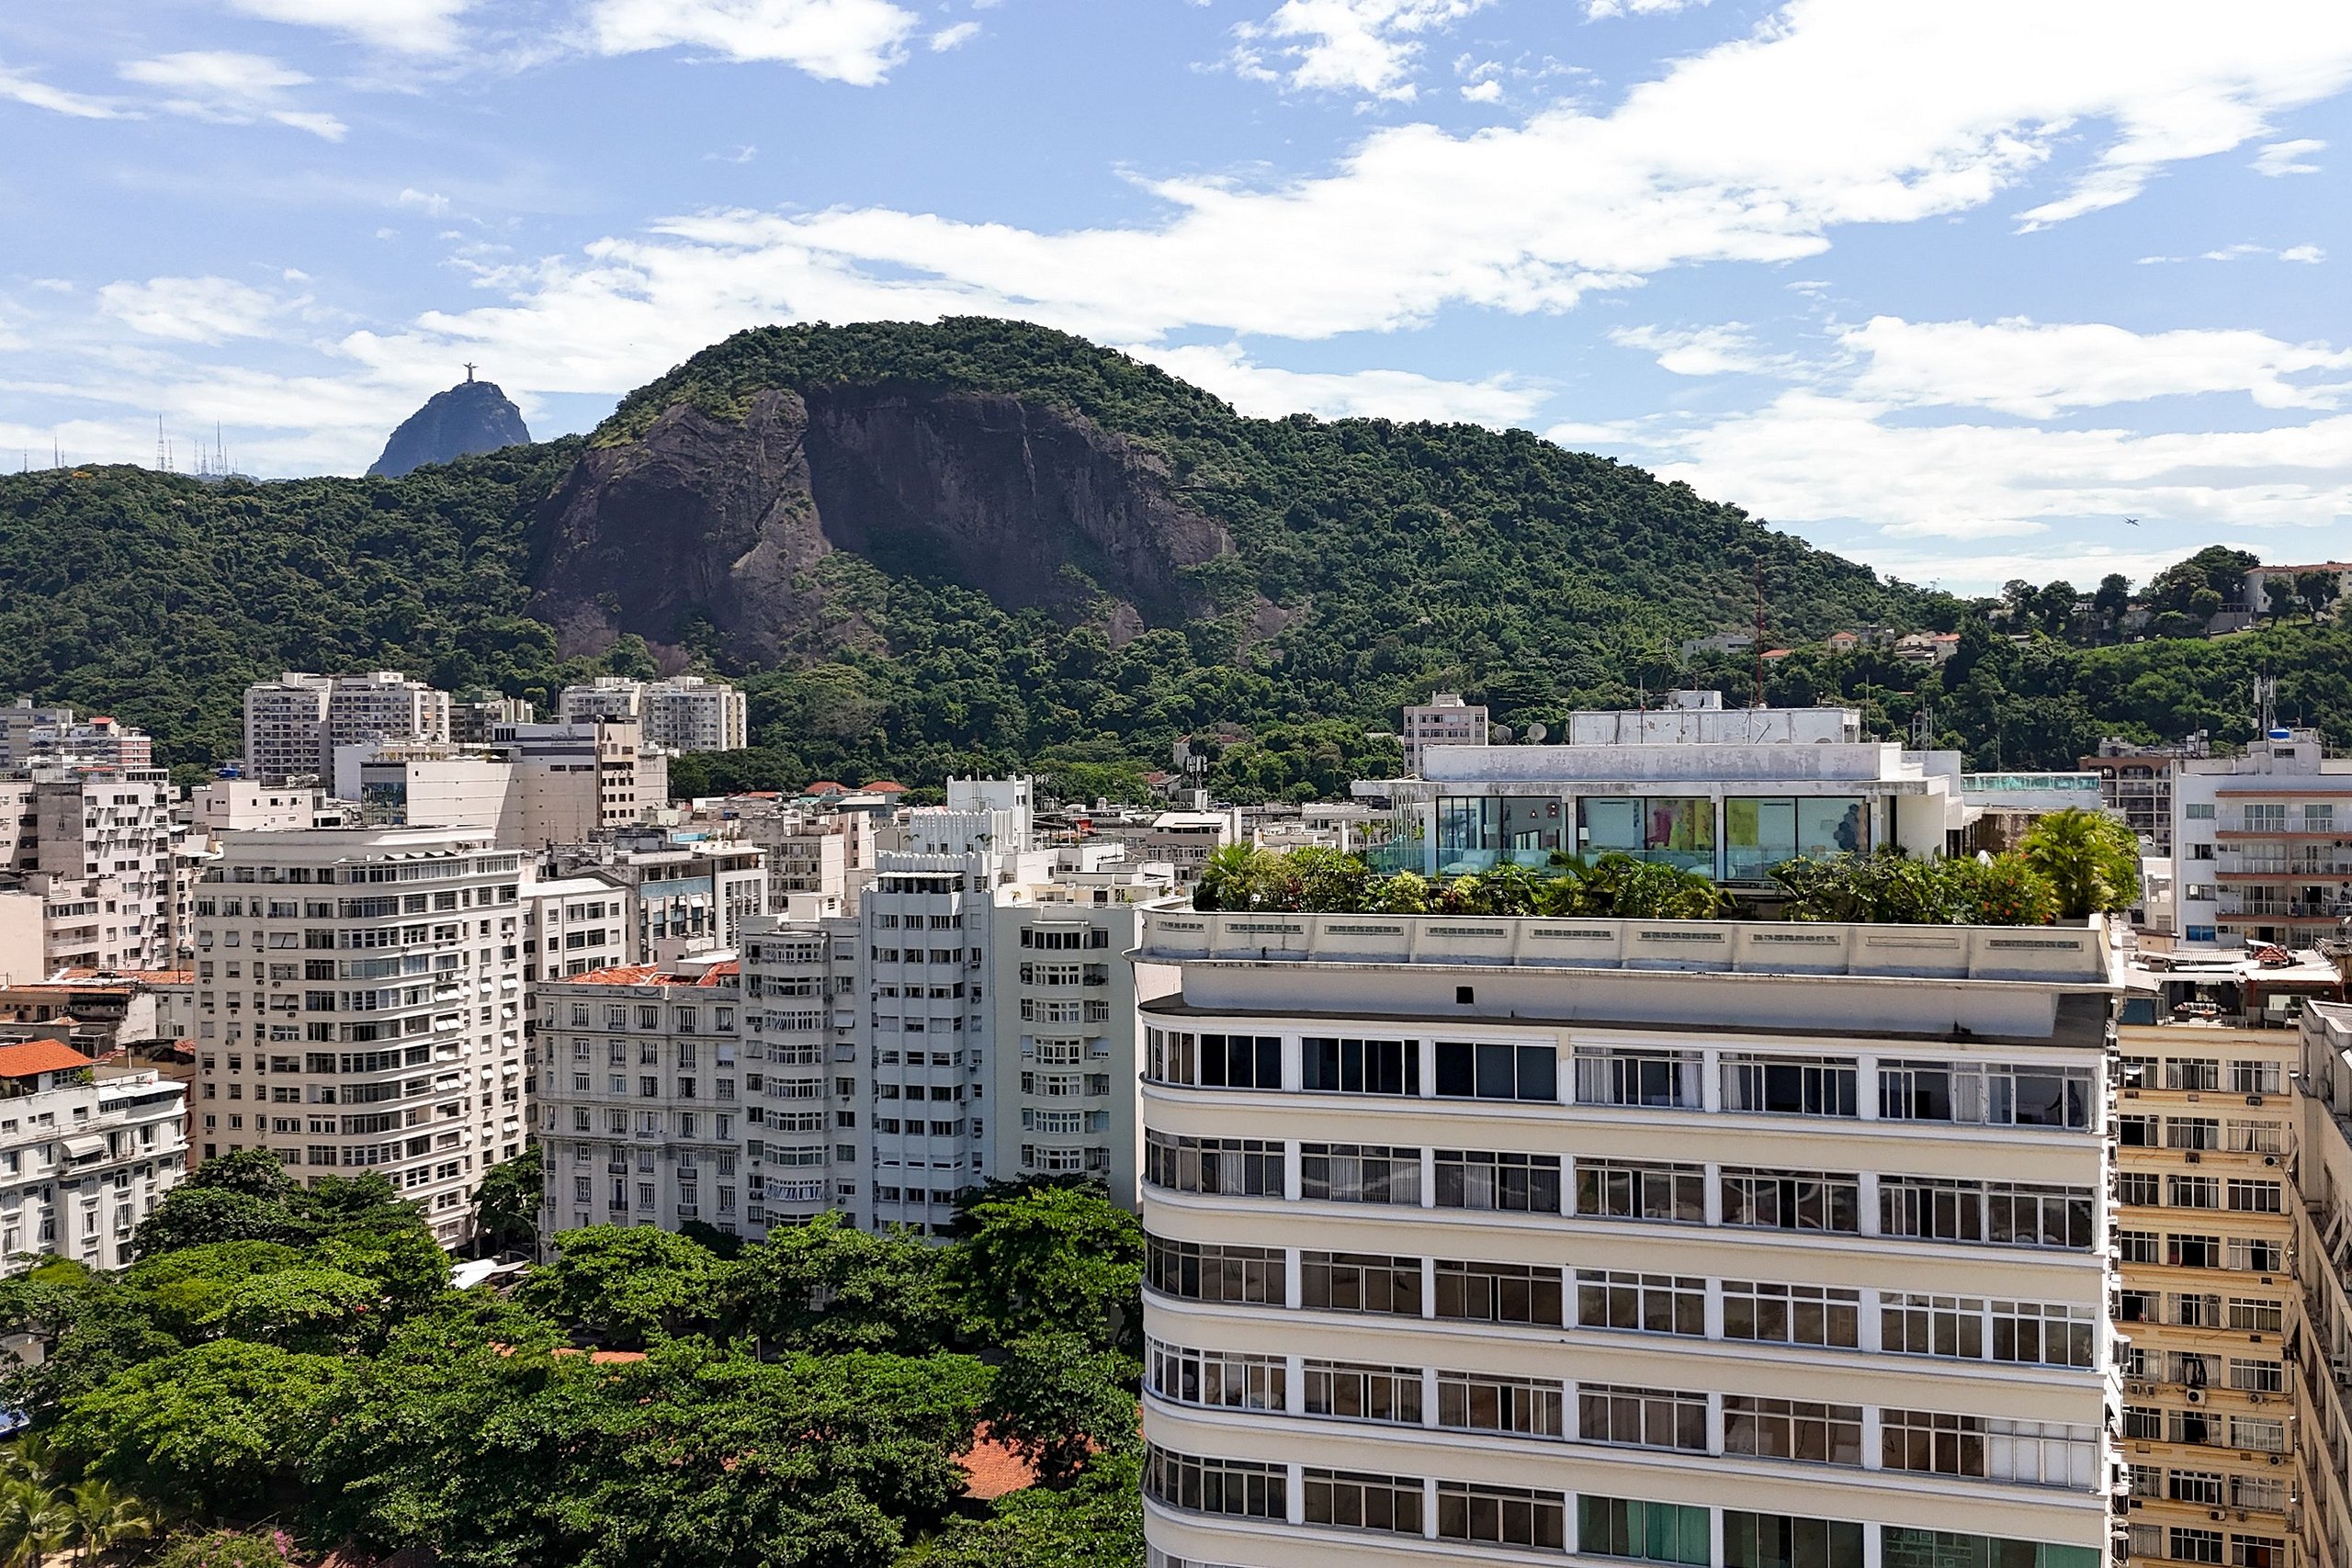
[[700, 974], [34, 1058]]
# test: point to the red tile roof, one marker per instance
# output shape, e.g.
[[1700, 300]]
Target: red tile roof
[[992, 1469], [826, 787], [884, 787], [36, 1056], [649, 974]]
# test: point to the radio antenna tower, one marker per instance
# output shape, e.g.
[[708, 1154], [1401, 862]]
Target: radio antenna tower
[[163, 453]]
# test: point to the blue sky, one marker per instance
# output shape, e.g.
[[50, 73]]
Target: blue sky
[[1949, 288]]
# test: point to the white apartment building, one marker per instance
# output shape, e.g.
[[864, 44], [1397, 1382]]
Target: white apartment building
[[689, 894], [29, 735], [96, 842], [359, 1006], [575, 925], [684, 712], [1727, 792], [532, 784], [2261, 843], [646, 1083], [1444, 720], [294, 723], [84, 1157], [2204, 1226], [237, 805], [1757, 1245]]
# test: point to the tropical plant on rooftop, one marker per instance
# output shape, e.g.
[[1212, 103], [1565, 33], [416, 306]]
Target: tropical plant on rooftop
[[2092, 860]]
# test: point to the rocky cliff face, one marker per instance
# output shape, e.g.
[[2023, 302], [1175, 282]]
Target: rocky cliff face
[[703, 518], [472, 416]]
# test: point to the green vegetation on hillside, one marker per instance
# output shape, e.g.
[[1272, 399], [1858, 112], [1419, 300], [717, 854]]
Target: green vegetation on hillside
[[1375, 560], [296, 1357]]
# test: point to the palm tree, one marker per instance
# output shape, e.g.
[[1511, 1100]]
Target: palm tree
[[101, 1516], [33, 1523], [2091, 859]]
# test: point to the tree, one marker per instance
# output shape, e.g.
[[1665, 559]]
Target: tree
[[223, 1549], [2112, 600], [1056, 1259], [1057, 1399], [2318, 590], [100, 1516], [507, 1206], [827, 1287], [223, 1427], [627, 1285], [33, 1524], [2092, 860], [1096, 1522], [2280, 592]]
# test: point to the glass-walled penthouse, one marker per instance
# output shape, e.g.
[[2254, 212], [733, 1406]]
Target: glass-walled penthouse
[[1700, 797]]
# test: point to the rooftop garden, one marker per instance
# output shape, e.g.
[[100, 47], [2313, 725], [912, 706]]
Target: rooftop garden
[[2071, 865]]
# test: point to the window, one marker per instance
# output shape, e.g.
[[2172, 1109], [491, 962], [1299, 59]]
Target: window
[[1334, 1066], [1932, 1325], [2193, 1251], [1792, 1429], [2188, 1545], [1789, 1085], [1497, 1292], [2040, 1216], [2254, 1078], [2251, 1254], [1929, 1209], [2139, 1246], [1502, 1513], [1486, 1071], [1472, 1178], [2255, 1197], [2045, 1333], [1658, 1079], [1352, 1393], [1644, 1304], [2192, 1132], [1627, 1189], [1646, 1532], [1792, 1200], [2258, 1376], [1477, 1402], [1355, 1501], [1359, 1173], [1217, 1485], [1356, 1282], [2139, 1189], [2204, 1487], [1792, 1315], [1932, 1442], [1240, 1061], [1779, 1540], [1213, 1273], [1642, 1417], [1902, 1547], [2251, 1315], [1238, 1167]]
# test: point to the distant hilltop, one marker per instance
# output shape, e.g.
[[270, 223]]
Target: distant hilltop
[[472, 416]]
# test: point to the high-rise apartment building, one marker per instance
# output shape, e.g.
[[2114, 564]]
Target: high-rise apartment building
[[2263, 843], [96, 842], [2320, 1346], [294, 723], [29, 735], [1444, 720], [684, 712], [1745, 1244], [84, 1156], [359, 1006], [2204, 1227]]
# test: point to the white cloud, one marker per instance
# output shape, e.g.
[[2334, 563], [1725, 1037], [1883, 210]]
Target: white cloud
[[857, 41], [1697, 351], [191, 309], [430, 202], [2311, 253], [230, 88], [2286, 158], [1268, 393], [403, 27], [1600, 10], [18, 87], [1486, 92], [950, 38], [2039, 370], [1368, 46]]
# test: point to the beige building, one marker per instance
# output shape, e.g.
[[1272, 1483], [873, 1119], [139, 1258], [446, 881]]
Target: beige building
[[2322, 1262], [684, 712], [359, 1007], [294, 723], [1756, 1246], [2205, 1227], [1444, 720], [95, 843]]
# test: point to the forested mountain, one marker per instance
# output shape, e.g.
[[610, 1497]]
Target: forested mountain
[[979, 544]]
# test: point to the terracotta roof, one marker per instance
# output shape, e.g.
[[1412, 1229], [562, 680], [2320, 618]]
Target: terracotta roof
[[649, 974], [826, 787], [72, 976], [884, 787], [35, 1056], [992, 1469]]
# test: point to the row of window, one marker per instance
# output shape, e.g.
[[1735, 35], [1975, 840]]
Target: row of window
[[1992, 1094], [648, 1015], [2239, 1254], [2197, 1132], [2248, 1195], [2029, 1453], [2203, 1073], [2193, 1543], [1635, 1529], [2252, 1434], [1759, 1312], [2211, 1488], [2004, 1214]]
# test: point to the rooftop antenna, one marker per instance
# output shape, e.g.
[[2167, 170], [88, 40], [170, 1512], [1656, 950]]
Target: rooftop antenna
[[1760, 633], [163, 453]]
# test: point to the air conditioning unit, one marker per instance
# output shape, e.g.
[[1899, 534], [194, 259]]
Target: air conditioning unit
[[2270, 1160], [2255, 1399], [2196, 1396], [2253, 1099], [2193, 1158], [2215, 1514], [2277, 1458]]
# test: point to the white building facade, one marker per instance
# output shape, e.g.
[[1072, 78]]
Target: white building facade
[[96, 842], [359, 1007], [2261, 843], [294, 723], [1511, 1241], [83, 1158]]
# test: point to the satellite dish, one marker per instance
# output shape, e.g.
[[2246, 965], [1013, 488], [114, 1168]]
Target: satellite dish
[[1535, 733], [1501, 735]]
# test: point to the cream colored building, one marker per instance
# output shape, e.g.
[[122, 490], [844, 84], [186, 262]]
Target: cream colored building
[[2322, 1256], [1444, 720], [1477, 1240], [2205, 1229], [294, 723], [84, 1156], [359, 1007]]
